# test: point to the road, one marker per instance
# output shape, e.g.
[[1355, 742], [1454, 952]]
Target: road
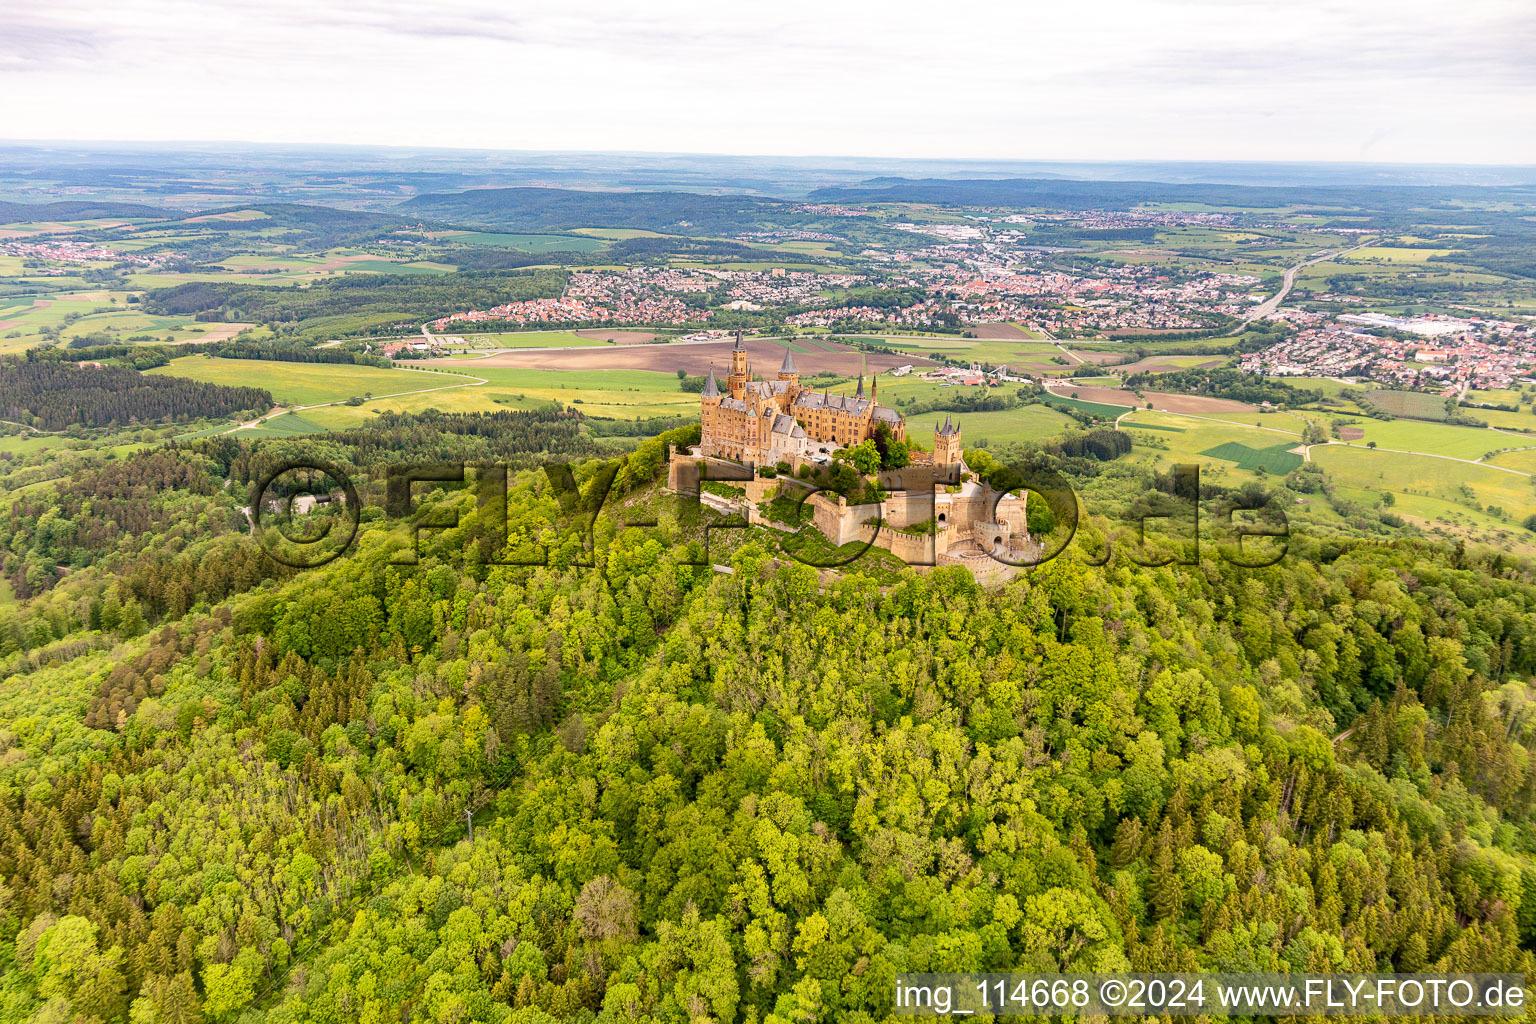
[[1272, 303]]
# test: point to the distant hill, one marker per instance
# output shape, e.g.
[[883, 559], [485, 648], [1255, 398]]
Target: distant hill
[[1111, 195], [22, 213], [554, 209]]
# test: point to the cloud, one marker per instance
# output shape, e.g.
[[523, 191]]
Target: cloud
[[1029, 78]]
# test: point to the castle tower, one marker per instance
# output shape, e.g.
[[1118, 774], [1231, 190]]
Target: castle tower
[[946, 444], [740, 373]]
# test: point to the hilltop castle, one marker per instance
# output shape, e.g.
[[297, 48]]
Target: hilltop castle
[[938, 515], [767, 421]]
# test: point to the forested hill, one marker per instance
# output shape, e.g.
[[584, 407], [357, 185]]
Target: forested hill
[[26, 213], [706, 797], [1123, 195], [542, 209]]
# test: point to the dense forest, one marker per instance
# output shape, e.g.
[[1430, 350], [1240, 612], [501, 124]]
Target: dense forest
[[647, 791], [53, 395]]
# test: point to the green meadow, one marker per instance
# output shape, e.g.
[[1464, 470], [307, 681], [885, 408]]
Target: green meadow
[[302, 383], [526, 243]]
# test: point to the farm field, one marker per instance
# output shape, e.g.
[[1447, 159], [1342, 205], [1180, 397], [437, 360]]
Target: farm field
[[1007, 331], [1223, 450], [77, 314], [1168, 364], [1392, 254], [1293, 422], [1425, 475], [1523, 459], [1194, 404], [1028, 423], [1415, 404], [1435, 438], [1503, 419], [534, 243], [485, 343], [300, 383], [765, 357]]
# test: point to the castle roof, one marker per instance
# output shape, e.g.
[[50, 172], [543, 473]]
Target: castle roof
[[711, 387], [860, 392], [821, 400], [739, 346], [948, 429], [789, 361]]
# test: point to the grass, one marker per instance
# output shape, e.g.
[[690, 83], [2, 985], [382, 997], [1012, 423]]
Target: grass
[[1392, 254], [1099, 409], [302, 383], [1434, 438], [1276, 458], [1029, 423], [526, 243], [1470, 487]]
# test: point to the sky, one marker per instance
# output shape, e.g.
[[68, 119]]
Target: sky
[[1295, 80]]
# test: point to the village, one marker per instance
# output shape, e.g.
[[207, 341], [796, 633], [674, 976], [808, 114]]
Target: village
[[1438, 353]]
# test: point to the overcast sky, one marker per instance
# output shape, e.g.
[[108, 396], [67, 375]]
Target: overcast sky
[[1373, 80]]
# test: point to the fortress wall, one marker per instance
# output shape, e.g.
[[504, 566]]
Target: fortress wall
[[908, 508], [913, 550]]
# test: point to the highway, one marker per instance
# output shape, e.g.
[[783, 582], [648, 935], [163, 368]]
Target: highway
[[1272, 303]]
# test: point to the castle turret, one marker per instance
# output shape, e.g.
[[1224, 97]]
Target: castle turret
[[788, 370], [946, 444]]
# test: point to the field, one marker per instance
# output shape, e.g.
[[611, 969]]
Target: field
[[484, 343], [1167, 364], [620, 337], [1191, 404], [78, 314], [695, 359], [1392, 254], [1276, 458], [1223, 450], [1002, 331], [1415, 404], [1438, 438], [525, 243], [301, 383], [1028, 423], [1472, 487]]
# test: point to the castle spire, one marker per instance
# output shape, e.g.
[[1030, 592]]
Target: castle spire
[[789, 361], [860, 392], [711, 387]]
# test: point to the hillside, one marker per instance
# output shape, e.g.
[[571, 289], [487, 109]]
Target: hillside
[[746, 797]]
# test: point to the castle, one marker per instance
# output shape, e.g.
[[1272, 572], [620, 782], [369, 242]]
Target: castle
[[937, 515], [764, 422]]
